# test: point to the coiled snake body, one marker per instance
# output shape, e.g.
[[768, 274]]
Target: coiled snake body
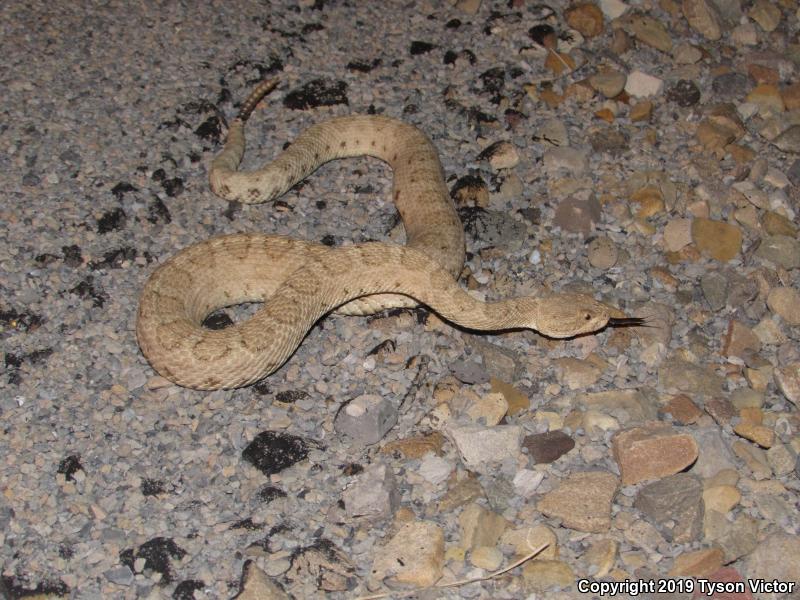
[[300, 281]]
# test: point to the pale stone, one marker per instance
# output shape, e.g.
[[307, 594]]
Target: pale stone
[[544, 575], [600, 557], [488, 410], [256, 585], [608, 82], [501, 155], [527, 539], [613, 9], [686, 54], [481, 446], [769, 560], [677, 234], [576, 373], [595, 420], [480, 526], [582, 501], [603, 252], [486, 557], [414, 557], [586, 18], [782, 459], [642, 85], [721, 498]]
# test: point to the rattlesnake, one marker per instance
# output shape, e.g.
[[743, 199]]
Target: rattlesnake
[[300, 282]]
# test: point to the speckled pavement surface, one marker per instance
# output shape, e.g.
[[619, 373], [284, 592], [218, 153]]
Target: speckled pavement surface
[[676, 199]]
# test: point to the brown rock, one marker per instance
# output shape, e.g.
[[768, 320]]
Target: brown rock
[[721, 498], [652, 452], [721, 410], [751, 414], [763, 74], [517, 401], [559, 62], [767, 97], [700, 563], [627, 405], [416, 447], [606, 114], [650, 200], [723, 477], [488, 410], [488, 558], [766, 14], [602, 252], [501, 155], [776, 224], [548, 447], [582, 501], [717, 239], [740, 340], [576, 215], [665, 278], [550, 97], [587, 18], [608, 82], [647, 30], [755, 458], [677, 234], [741, 154], [763, 436], [788, 380], [641, 111], [739, 538], [785, 302], [722, 127], [682, 409], [791, 96], [703, 18]]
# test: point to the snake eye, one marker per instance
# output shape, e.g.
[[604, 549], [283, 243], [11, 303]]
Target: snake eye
[[587, 317]]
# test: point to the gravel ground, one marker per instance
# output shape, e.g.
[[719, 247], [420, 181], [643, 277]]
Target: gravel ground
[[646, 153]]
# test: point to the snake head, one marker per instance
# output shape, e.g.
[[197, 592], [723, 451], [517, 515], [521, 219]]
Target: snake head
[[567, 315]]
